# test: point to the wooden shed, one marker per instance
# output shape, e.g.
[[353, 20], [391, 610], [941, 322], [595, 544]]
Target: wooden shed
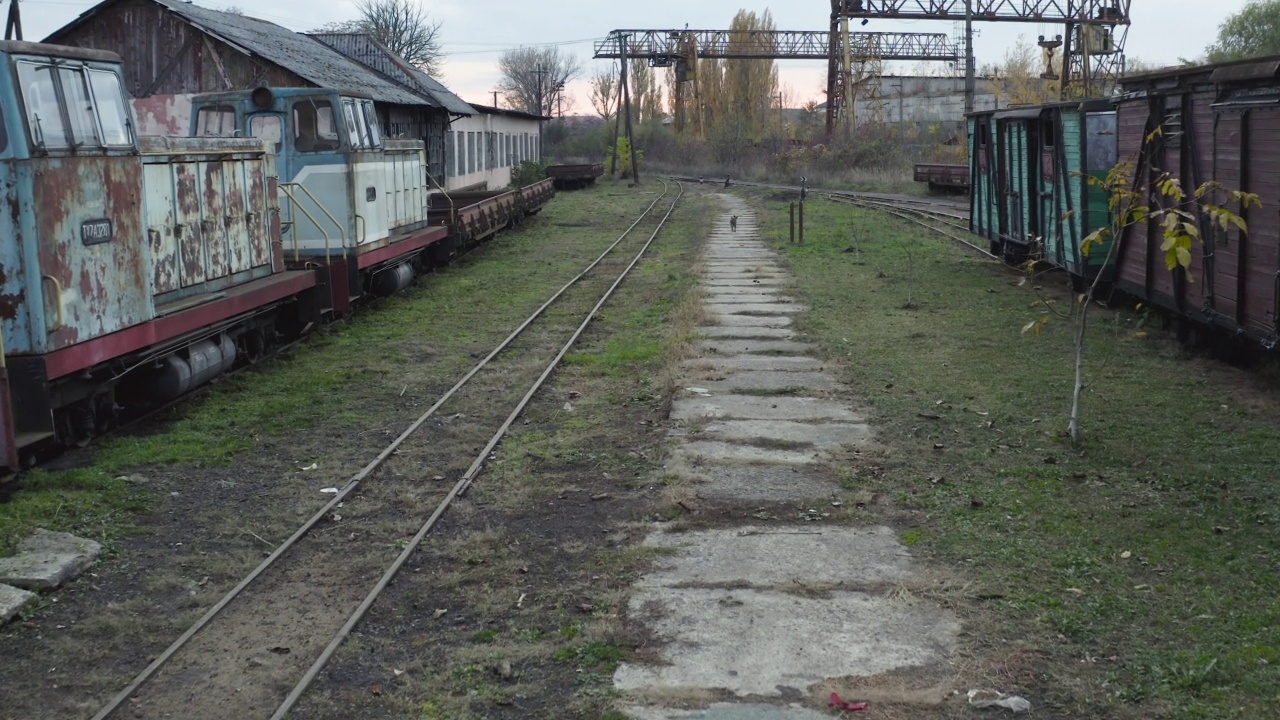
[[173, 50]]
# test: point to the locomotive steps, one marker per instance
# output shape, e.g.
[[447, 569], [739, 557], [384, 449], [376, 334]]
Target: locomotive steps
[[759, 621]]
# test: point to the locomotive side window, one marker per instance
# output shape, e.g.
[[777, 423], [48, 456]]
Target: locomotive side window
[[371, 122], [217, 121], [313, 126], [108, 97], [267, 127], [354, 136], [75, 88], [40, 98]]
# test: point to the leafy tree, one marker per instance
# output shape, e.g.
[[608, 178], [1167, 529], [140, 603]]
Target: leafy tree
[[646, 94], [533, 78], [1175, 211], [403, 26], [1252, 32], [1018, 77]]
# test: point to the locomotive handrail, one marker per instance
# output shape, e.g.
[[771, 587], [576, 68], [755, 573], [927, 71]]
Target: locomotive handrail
[[61, 314], [342, 232]]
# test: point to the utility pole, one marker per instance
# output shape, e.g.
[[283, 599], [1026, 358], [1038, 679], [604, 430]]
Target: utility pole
[[14, 23], [970, 82], [540, 96], [495, 98]]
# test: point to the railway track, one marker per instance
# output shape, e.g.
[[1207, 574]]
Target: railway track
[[945, 217], [257, 650]]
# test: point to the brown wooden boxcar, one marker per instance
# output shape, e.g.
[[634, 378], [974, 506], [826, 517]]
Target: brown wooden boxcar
[[1219, 122]]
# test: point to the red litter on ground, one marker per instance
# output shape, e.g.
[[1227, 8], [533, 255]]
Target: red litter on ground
[[840, 704]]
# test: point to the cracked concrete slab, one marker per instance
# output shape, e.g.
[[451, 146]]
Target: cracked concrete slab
[[744, 347], [756, 407], [726, 320], [728, 711], [47, 559], [760, 483], [700, 453], [769, 610], [753, 331], [769, 556], [769, 642], [741, 308], [715, 299], [12, 601], [769, 381], [821, 436], [782, 363]]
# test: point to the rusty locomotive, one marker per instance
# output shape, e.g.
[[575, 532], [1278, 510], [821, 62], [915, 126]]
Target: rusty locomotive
[[133, 269]]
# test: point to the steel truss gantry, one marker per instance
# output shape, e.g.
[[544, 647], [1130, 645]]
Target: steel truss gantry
[[855, 64], [664, 48], [1092, 42]]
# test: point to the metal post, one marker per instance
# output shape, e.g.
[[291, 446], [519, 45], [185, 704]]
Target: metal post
[[626, 97], [801, 222], [970, 81], [902, 132], [617, 125], [793, 223]]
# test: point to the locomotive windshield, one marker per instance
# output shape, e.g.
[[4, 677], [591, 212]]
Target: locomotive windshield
[[73, 106]]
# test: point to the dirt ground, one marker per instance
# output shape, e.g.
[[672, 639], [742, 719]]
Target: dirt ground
[[207, 523]]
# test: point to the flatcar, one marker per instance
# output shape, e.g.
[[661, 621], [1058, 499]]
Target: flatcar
[[575, 177], [1030, 173], [942, 177]]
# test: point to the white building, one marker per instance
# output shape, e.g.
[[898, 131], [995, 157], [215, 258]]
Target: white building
[[481, 150]]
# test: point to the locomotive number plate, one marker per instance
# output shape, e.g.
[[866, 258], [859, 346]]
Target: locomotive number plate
[[97, 231]]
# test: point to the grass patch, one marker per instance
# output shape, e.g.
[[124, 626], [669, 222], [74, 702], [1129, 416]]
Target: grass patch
[[1151, 550]]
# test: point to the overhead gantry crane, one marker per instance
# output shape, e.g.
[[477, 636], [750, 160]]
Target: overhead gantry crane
[[1092, 41], [682, 49]]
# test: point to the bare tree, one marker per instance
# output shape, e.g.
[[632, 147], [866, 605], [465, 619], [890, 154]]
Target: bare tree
[[533, 78], [403, 26], [604, 92]]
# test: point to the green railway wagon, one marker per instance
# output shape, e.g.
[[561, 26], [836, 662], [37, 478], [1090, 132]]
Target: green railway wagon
[[1034, 167]]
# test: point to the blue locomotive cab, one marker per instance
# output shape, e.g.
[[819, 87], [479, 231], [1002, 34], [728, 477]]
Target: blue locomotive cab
[[349, 197]]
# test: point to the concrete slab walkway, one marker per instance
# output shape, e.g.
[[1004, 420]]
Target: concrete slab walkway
[[756, 622]]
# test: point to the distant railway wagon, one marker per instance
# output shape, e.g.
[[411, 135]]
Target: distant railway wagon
[[349, 197], [1030, 170], [1218, 122], [575, 177], [942, 177], [1029, 174]]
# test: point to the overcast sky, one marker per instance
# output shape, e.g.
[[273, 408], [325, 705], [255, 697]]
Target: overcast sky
[[476, 31]]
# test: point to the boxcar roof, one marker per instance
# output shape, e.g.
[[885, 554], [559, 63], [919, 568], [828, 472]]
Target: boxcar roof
[[1259, 68], [302, 55]]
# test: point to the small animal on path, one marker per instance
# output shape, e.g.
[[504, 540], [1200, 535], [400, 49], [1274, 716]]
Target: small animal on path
[[733, 223]]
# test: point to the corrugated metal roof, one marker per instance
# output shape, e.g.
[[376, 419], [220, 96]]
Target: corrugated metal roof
[[296, 52], [373, 54]]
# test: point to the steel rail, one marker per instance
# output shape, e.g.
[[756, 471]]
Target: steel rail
[[351, 484], [909, 214], [463, 483]]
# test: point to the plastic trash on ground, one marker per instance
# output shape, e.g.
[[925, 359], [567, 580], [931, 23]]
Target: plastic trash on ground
[[993, 699]]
